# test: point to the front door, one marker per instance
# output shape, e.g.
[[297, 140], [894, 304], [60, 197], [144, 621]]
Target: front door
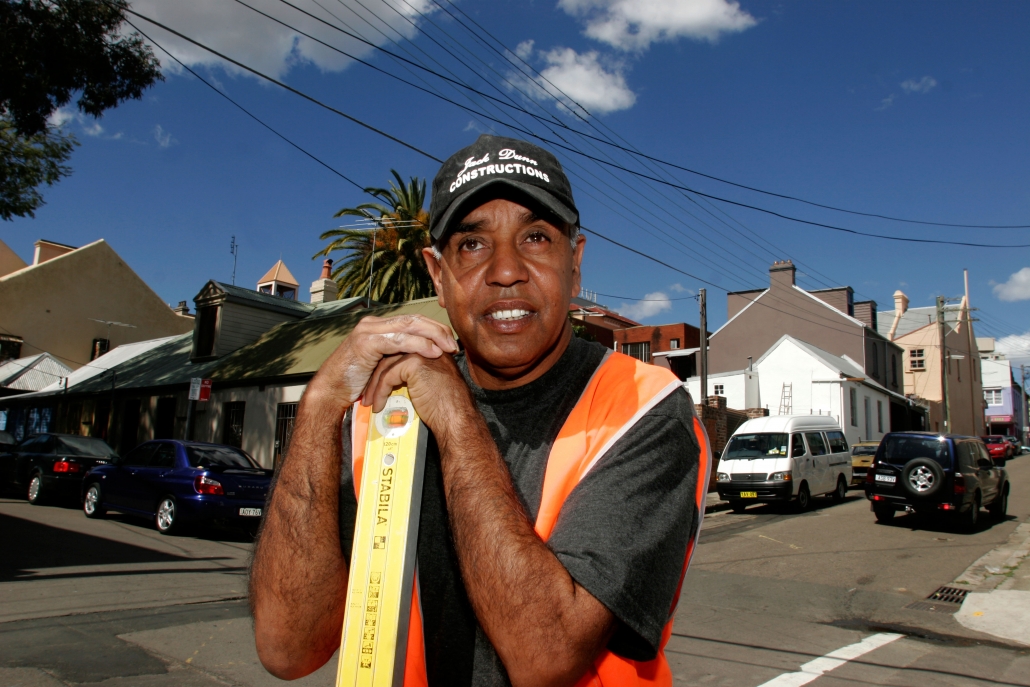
[[820, 462], [802, 460]]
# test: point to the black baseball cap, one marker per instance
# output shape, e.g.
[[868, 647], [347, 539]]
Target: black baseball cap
[[495, 166]]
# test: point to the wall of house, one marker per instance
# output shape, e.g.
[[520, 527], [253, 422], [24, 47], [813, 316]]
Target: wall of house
[[738, 300], [53, 305], [258, 417], [239, 325], [842, 298], [740, 389], [865, 312], [659, 336]]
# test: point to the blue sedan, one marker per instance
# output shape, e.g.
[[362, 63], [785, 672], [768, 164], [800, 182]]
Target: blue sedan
[[177, 483]]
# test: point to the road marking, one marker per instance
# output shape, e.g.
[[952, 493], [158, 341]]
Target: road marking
[[835, 659]]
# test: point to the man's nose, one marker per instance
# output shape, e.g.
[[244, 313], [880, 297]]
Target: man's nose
[[506, 267]]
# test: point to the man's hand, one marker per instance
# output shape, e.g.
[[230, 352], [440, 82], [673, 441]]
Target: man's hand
[[344, 376], [437, 390]]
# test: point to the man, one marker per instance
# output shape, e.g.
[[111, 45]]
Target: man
[[563, 482]]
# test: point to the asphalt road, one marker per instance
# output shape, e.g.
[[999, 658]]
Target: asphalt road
[[114, 603]]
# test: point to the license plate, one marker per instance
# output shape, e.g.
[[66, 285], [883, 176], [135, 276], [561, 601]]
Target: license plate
[[749, 494], [250, 512], [889, 479]]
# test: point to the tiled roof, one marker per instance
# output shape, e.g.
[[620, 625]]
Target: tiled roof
[[279, 273]]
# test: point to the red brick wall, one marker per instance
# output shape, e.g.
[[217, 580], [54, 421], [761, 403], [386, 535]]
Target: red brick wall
[[659, 336]]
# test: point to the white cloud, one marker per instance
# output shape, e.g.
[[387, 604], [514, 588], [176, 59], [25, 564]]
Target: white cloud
[[678, 288], [263, 44], [571, 76], [524, 49], [885, 103], [633, 25], [652, 304], [1017, 288], [1014, 347], [163, 138], [63, 116], [923, 85]]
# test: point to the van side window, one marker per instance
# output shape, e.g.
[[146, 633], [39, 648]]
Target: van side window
[[815, 443], [797, 446], [967, 455], [838, 444]]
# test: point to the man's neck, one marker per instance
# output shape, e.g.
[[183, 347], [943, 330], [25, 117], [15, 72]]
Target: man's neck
[[493, 379]]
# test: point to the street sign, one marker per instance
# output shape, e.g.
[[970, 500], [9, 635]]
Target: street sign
[[200, 389], [382, 562]]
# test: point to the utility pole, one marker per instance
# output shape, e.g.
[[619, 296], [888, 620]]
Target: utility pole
[[945, 401], [703, 371], [234, 249]]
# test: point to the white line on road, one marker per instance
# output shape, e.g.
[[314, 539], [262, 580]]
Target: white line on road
[[835, 659]]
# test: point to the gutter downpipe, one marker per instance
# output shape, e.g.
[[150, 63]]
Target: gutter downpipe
[[900, 308]]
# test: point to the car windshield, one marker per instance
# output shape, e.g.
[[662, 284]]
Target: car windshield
[[218, 456], [85, 446], [899, 450], [864, 450], [744, 446], [994, 440]]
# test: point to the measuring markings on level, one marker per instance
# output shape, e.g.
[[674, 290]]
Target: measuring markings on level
[[382, 562]]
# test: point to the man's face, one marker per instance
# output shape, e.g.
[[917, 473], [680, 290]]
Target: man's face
[[506, 277]]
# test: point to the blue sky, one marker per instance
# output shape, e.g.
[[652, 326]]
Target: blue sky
[[910, 109]]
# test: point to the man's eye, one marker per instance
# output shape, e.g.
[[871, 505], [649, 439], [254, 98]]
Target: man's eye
[[537, 237], [470, 244]]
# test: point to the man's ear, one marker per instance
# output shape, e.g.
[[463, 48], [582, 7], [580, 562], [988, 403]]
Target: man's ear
[[436, 268], [577, 264]]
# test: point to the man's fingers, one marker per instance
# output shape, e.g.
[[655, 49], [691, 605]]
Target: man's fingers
[[374, 394], [416, 325]]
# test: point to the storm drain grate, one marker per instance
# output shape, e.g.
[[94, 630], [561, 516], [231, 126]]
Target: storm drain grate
[[944, 600]]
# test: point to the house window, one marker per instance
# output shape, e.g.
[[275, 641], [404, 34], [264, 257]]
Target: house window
[[207, 320], [10, 347], [874, 361], [868, 417], [879, 417], [993, 397], [894, 370], [285, 415], [853, 397], [720, 390], [232, 430], [289, 294], [100, 347], [640, 351], [917, 359], [674, 345]]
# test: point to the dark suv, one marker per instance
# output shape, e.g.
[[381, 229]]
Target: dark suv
[[936, 474]]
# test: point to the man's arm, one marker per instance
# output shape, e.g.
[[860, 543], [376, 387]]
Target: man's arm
[[298, 581], [545, 627]]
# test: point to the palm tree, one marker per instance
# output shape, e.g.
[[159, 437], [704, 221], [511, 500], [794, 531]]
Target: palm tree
[[390, 250]]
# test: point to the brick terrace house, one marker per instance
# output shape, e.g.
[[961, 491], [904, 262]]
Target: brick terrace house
[[674, 346]]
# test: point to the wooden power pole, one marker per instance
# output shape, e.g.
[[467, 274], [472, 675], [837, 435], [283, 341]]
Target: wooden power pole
[[945, 400], [703, 371]]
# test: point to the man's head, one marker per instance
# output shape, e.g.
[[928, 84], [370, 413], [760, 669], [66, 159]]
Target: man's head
[[506, 256]]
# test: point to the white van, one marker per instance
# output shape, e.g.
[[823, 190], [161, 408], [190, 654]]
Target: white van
[[782, 458]]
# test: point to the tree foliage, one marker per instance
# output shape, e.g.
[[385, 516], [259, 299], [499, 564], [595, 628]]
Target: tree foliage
[[51, 51], [392, 254]]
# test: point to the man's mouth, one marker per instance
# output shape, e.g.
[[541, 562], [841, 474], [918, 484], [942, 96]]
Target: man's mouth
[[509, 315]]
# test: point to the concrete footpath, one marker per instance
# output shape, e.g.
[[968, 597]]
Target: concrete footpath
[[998, 602]]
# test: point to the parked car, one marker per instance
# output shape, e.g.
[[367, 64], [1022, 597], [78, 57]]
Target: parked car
[[862, 455], [52, 465], [179, 482], [784, 458], [937, 475], [1016, 448], [998, 446]]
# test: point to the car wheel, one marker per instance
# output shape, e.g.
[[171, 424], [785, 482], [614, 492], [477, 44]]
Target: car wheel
[[841, 492], [972, 516], [92, 505], [804, 497], [35, 492], [922, 477], [1000, 506], [166, 519], [738, 506], [883, 513]]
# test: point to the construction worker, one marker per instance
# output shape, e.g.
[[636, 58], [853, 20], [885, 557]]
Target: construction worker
[[564, 482]]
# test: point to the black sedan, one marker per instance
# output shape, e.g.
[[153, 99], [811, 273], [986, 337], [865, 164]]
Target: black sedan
[[52, 465], [177, 483]]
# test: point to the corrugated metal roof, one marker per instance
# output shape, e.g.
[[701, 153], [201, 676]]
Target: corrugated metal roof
[[299, 348], [32, 373], [112, 358], [338, 307], [264, 298]]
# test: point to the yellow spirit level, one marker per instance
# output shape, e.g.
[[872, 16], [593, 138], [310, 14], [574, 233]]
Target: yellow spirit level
[[382, 561]]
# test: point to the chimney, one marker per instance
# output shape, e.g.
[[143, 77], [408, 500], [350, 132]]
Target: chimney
[[782, 273], [900, 308], [182, 310], [324, 289]]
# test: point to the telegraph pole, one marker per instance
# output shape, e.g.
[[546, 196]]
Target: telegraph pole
[[945, 401], [703, 371], [234, 248]]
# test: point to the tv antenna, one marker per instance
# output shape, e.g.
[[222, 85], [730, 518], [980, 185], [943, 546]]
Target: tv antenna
[[234, 249]]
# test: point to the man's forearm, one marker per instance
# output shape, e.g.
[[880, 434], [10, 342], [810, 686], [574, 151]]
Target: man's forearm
[[545, 628], [299, 576]]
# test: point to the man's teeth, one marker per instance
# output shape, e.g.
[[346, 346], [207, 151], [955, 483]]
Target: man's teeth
[[509, 314]]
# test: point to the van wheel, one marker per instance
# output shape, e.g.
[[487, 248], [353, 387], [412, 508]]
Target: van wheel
[[841, 492], [738, 506], [884, 514], [999, 508], [804, 497]]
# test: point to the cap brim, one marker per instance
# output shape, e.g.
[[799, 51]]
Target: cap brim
[[471, 199]]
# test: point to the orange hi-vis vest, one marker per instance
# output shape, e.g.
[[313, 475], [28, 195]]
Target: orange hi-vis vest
[[621, 391]]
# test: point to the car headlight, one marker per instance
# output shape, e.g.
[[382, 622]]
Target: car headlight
[[781, 477], [722, 477]]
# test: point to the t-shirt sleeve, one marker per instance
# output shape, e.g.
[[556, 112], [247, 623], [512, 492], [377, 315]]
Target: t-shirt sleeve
[[623, 531], [348, 505]]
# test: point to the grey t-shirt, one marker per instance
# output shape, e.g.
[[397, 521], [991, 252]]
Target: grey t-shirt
[[622, 533]]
